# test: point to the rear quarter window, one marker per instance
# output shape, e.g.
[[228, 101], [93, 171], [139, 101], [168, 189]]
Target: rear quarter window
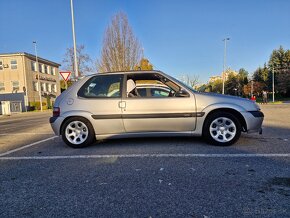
[[102, 86]]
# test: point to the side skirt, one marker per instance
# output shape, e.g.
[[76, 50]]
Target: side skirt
[[146, 134]]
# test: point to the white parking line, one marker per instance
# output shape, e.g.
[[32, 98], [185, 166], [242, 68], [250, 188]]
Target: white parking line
[[143, 156], [26, 146]]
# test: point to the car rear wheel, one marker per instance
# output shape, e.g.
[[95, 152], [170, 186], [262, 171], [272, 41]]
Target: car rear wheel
[[222, 128], [77, 132]]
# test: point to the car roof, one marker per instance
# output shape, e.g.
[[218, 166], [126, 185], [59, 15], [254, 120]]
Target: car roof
[[128, 72]]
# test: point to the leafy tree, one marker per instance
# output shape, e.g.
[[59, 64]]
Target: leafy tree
[[215, 86], [243, 76], [202, 88], [62, 84], [232, 84], [243, 80], [280, 63], [257, 88], [121, 49], [144, 64], [278, 59], [261, 75], [85, 63], [247, 89]]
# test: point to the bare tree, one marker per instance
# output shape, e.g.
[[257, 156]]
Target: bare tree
[[85, 63], [121, 49], [191, 81]]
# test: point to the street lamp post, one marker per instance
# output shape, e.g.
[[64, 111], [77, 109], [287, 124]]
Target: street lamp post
[[38, 77], [224, 65], [273, 85], [74, 40]]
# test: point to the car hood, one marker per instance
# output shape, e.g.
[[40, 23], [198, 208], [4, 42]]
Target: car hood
[[204, 100]]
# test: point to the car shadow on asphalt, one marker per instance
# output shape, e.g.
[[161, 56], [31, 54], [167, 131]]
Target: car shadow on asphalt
[[158, 141], [272, 135]]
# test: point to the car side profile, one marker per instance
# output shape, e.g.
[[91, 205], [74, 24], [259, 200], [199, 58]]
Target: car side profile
[[109, 105]]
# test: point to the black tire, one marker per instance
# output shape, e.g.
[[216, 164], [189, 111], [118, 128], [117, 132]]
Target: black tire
[[221, 140], [88, 136]]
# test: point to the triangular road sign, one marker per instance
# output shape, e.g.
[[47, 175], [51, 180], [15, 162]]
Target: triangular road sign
[[65, 75]]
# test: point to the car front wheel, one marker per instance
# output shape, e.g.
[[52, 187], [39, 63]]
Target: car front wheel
[[222, 128], [77, 132]]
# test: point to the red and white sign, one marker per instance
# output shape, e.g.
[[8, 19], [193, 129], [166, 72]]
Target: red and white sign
[[65, 75]]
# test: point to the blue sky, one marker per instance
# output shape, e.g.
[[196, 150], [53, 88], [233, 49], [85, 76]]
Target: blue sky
[[179, 36]]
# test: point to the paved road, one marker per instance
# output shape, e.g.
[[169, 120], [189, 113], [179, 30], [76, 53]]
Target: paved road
[[168, 177], [22, 129]]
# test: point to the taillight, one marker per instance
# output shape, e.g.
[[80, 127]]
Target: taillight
[[56, 111]]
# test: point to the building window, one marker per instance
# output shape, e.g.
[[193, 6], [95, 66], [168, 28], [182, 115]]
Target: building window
[[52, 71], [15, 86], [1, 65], [40, 68], [2, 86], [13, 64], [48, 87], [54, 89], [35, 86], [45, 69], [43, 87], [33, 65]]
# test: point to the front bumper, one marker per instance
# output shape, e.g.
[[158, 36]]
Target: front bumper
[[254, 121], [55, 123], [256, 113]]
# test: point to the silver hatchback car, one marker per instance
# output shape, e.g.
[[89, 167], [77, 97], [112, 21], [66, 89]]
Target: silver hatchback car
[[108, 105]]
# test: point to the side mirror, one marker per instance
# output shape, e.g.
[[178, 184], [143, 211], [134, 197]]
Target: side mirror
[[181, 93]]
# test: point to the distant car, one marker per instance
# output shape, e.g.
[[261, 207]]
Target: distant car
[[110, 105]]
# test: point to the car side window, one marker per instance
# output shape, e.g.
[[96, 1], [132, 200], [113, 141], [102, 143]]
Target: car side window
[[102, 86], [159, 93], [142, 92]]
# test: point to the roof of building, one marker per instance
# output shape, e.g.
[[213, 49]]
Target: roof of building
[[31, 56]]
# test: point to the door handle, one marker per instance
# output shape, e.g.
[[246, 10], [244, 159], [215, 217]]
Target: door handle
[[122, 104]]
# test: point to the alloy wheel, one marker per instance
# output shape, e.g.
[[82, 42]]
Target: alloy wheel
[[222, 129], [76, 132]]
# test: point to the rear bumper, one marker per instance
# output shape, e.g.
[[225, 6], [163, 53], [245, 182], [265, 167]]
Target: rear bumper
[[52, 119], [55, 123], [254, 121]]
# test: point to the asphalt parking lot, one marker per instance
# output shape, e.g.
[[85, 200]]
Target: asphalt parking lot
[[153, 177]]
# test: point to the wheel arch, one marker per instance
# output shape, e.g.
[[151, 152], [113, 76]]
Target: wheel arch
[[232, 111], [80, 114]]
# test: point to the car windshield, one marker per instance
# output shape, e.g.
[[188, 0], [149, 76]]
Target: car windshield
[[182, 83]]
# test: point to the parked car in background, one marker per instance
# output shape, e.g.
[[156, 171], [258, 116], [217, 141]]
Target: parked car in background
[[111, 105]]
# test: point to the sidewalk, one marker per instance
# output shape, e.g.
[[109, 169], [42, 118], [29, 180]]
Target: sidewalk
[[276, 102], [24, 114]]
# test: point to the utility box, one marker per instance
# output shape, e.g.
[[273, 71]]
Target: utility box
[[5, 108]]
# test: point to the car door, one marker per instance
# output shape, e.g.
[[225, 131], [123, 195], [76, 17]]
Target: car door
[[101, 96], [159, 114]]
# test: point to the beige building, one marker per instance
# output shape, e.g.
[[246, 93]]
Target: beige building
[[18, 74], [225, 74], [214, 78]]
